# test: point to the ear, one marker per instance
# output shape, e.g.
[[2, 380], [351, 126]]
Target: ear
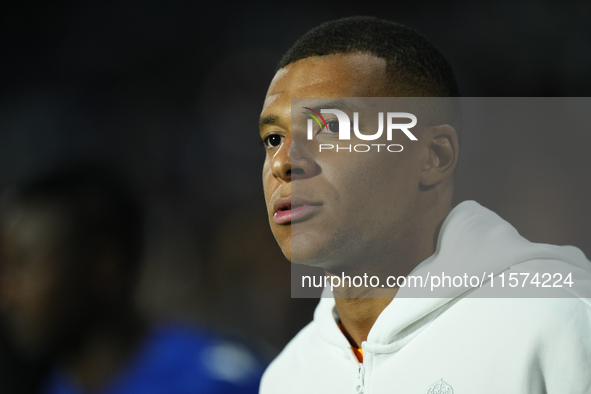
[[443, 148]]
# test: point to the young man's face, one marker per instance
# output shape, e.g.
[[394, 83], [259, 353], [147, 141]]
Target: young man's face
[[343, 205]]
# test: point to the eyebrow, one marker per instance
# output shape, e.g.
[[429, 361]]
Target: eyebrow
[[269, 119], [336, 104]]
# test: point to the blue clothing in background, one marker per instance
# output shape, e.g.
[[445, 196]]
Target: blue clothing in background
[[179, 360]]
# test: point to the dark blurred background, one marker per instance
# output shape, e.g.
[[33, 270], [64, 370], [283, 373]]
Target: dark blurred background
[[170, 93]]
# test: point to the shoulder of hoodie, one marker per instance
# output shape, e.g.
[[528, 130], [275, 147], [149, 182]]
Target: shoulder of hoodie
[[296, 357], [577, 269], [566, 308]]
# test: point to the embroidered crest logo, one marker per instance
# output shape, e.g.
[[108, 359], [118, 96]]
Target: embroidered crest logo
[[440, 388]]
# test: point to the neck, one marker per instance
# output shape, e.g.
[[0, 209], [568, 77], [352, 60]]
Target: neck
[[358, 315], [105, 348]]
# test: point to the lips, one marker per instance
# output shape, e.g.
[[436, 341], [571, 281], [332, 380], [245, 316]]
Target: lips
[[293, 209]]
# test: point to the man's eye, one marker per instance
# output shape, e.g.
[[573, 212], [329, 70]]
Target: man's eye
[[273, 141], [333, 126]]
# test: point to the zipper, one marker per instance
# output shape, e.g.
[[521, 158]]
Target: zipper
[[360, 385]]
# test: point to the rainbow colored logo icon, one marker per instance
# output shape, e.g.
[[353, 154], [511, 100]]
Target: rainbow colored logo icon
[[315, 117]]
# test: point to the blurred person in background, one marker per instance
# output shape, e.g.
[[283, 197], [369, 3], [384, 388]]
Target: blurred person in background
[[71, 246]]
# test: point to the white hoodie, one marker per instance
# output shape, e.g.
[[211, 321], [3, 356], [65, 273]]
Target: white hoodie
[[456, 343]]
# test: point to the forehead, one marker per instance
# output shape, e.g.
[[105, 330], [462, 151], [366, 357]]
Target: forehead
[[338, 75]]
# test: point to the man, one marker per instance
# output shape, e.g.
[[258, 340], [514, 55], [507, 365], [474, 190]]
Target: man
[[71, 243], [392, 213]]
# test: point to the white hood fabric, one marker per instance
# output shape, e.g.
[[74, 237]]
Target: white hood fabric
[[457, 342]]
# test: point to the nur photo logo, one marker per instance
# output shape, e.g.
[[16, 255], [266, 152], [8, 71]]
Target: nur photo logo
[[342, 126]]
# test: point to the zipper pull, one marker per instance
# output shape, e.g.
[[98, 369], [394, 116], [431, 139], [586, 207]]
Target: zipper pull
[[360, 386]]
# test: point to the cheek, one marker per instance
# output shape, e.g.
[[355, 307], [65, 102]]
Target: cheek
[[281, 233], [268, 183], [373, 185], [356, 171]]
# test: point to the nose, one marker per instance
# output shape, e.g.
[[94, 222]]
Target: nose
[[292, 161]]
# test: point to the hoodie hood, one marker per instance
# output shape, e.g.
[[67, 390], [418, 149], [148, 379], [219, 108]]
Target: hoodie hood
[[473, 241]]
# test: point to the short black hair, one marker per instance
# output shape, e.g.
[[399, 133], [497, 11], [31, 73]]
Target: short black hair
[[413, 62]]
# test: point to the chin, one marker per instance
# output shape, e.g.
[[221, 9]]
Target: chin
[[309, 252], [336, 250]]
